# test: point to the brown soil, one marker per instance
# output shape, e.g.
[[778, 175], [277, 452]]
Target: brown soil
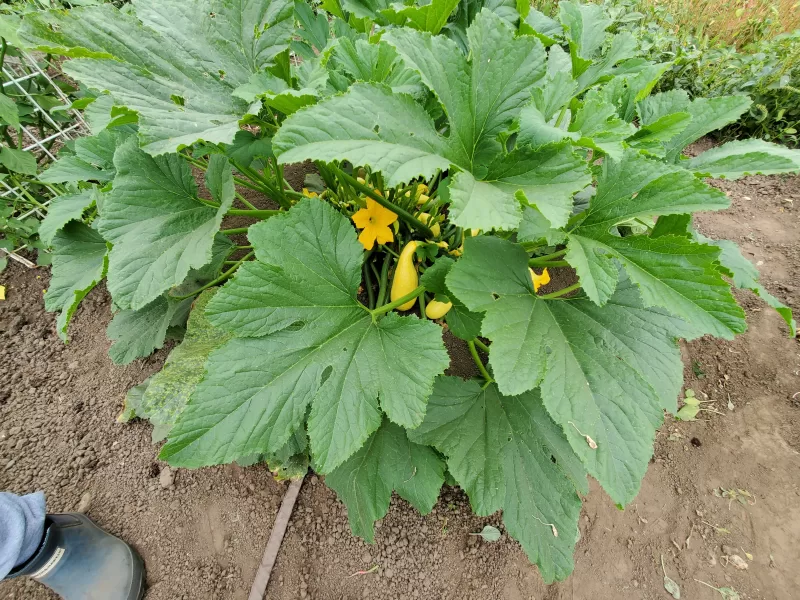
[[202, 535]]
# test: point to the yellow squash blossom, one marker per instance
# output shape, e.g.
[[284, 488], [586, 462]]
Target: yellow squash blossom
[[539, 280], [375, 221], [308, 194]]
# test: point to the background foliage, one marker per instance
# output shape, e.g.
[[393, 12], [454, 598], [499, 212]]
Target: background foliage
[[720, 48]]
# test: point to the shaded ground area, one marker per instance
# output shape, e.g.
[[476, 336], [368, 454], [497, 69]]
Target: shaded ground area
[[202, 532]]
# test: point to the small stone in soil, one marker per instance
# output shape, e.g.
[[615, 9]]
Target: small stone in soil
[[166, 478], [85, 503]]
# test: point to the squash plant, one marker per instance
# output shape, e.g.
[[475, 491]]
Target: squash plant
[[460, 177]]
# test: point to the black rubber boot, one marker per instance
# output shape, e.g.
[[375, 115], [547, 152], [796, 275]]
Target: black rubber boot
[[80, 561]]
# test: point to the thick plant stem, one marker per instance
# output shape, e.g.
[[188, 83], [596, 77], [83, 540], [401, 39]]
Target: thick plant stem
[[3, 49], [383, 281], [207, 202], [200, 164], [561, 292], [245, 201], [389, 250], [256, 214], [543, 260], [400, 212], [561, 116], [552, 263], [479, 363], [265, 185], [399, 302], [481, 345], [234, 231], [219, 279], [368, 284]]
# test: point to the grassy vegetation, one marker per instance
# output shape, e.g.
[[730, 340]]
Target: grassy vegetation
[[720, 47], [735, 22]]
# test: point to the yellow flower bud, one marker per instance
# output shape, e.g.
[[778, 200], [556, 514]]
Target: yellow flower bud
[[435, 228]]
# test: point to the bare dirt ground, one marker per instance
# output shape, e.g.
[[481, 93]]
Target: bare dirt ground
[[202, 533]]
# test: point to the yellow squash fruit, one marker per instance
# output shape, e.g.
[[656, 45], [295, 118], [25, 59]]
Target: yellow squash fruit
[[405, 279], [436, 309], [435, 228]]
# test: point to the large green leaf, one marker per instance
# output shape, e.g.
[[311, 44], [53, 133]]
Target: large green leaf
[[468, 10], [585, 26], [637, 187], [745, 276], [546, 29], [366, 9], [318, 347], [598, 127], [175, 63], [80, 259], [507, 453], [18, 161], [369, 125], [388, 461], [429, 17], [137, 333], [62, 210], [158, 226], [746, 157], [605, 372], [512, 65], [291, 461], [277, 94], [545, 177], [169, 390], [93, 159], [9, 112], [376, 63], [536, 227], [315, 28], [247, 147], [672, 272], [707, 115], [623, 46]]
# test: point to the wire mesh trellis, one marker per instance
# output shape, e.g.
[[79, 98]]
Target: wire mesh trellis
[[18, 73]]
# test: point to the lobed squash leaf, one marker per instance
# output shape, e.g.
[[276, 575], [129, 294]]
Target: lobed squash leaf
[[174, 63], [606, 372], [507, 453], [304, 341]]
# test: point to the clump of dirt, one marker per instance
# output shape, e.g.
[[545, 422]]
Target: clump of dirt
[[202, 533]]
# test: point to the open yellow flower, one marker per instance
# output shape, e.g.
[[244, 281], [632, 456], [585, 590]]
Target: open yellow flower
[[308, 194], [539, 280], [375, 221]]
